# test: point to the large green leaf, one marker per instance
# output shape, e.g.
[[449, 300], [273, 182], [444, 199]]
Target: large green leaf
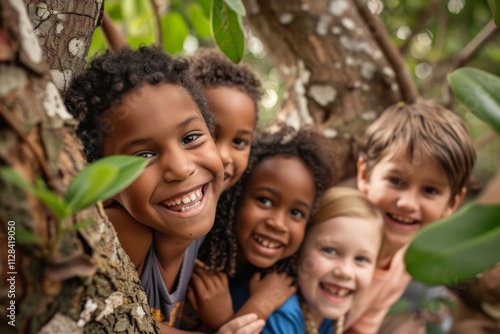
[[456, 248], [103, 179], [199, 21], [227, 30], [237, 6], [174, 30], [479, 92], [495, 9]]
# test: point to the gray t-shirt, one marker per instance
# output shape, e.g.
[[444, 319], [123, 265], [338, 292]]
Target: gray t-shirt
[[167, 307]]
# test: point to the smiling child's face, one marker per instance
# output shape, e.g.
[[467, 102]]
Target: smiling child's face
[[276, 205], [177, 193], [235, 116], [336, 264]]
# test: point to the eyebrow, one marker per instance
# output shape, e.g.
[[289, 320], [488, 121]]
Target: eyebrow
[[141, 141], [245, 132], [271, 190]]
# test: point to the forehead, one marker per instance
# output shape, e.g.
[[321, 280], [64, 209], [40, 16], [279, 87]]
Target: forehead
[[231, 107], [351, 231], [290, 174]]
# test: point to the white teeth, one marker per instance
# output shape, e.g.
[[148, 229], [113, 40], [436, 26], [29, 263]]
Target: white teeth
[[336, 290], [193, 196], [267, 243], [402, 219]]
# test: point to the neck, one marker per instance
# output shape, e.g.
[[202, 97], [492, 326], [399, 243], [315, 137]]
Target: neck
[[169, 253]]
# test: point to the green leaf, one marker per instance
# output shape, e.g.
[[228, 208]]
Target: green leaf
[[174, 31], [199, 21], [103, 179], [206, 5], [456, 248], [227, 30], [27, 237], [478, 91], [237, 6], [88, 185], [129, 168], [495, 9], [10, 175], [53, 202]]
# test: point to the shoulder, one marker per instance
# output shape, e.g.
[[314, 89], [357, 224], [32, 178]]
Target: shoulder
[[287, 319]]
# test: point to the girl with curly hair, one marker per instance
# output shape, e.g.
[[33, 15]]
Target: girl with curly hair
[[233, 92], [259, 226]]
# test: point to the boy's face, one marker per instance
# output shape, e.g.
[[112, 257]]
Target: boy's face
[[235, 123], [276, 205], [410, 195], [178, 191], [336, 263]]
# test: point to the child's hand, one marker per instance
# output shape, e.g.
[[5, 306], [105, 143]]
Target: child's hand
[[246, 324], [269, 293], [209, 295]]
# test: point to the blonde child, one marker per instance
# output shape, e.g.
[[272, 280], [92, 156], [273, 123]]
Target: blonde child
[[143, 103], [415, 163], [262, 221], [336, 264]]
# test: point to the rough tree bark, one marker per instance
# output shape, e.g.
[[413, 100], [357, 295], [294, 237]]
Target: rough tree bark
[[338, 65], [81, 281]]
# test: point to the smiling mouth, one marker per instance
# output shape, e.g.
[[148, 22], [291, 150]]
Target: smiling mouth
[[402, 220], [336, 290], [185, 202], [267, 243]]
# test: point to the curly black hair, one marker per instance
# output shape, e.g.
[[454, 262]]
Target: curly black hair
[[220, 247], [212, 69], [111, 76]]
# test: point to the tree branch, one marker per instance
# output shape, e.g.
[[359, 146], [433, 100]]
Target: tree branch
[[408, 89], [114, 38], [156, 14], [470, 50]]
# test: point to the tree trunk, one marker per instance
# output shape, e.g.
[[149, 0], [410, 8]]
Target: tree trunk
[[70, 280], [337, 63]]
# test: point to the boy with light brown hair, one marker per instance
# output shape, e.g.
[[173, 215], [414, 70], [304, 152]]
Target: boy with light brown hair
[[415, 164]]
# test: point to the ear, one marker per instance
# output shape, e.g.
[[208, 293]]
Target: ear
[[454, 203], [362, 177]]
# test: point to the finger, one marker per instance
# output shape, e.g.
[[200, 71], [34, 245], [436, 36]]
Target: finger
[[198, 284], [252, 328], [238, 323], [191, 296]]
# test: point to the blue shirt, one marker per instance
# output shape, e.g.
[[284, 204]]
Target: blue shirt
[[288, 319]]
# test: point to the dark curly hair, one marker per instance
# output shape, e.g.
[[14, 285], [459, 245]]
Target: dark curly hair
[[111, 76], [220, 247], [212, 69]]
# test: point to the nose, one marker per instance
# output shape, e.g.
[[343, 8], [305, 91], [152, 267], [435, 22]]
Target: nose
[[344, 270], [408, 200], [177, 166], [225, 154], [276, 221]]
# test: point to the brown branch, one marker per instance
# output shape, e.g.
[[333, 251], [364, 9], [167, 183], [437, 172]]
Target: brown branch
[[470, 50], [485, 139], [439, 43], [114, 38], [423, 15], [407, 86], [156, 14]]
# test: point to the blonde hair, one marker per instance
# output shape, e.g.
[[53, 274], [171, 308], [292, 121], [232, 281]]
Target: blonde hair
[[345, 202], [426, 129]]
